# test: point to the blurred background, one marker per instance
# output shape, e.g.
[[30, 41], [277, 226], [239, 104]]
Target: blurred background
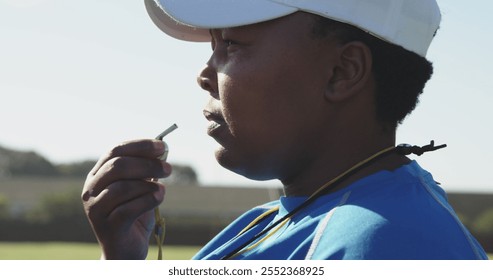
[[78, 77]]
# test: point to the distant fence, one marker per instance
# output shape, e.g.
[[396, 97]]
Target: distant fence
[[79, 230], [57, 215]]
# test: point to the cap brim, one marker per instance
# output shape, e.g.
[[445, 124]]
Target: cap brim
[[178, 20]]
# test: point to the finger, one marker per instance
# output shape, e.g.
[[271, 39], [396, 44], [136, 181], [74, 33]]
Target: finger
[[128, 211], [125, 168], [122, 192], [147, 148], [125, 201]]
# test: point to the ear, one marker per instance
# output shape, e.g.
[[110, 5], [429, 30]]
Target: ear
[[352, 72]]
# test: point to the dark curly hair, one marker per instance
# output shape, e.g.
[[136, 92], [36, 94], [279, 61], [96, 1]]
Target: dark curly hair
[[400, 74]]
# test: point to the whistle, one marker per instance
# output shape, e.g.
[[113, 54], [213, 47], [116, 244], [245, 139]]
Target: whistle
[[170, 129]]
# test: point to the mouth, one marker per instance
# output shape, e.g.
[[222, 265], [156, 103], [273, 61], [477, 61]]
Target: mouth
[[216, 121]]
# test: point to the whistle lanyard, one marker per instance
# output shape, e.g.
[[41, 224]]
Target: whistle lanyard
[[403, 149]]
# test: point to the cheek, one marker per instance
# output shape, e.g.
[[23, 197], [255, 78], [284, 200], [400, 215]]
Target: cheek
[[269, 94], [250, 101]]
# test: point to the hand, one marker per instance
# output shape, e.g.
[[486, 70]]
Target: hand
[[118, 197]]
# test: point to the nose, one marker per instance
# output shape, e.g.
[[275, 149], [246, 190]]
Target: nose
[[207, 80]]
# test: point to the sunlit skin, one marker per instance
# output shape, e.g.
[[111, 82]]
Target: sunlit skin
[[290, 106], [284, 105]]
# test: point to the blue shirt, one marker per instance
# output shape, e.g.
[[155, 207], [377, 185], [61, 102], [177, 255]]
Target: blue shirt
[[400, 214]]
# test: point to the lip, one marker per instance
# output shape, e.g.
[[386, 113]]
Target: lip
[[216, 121]]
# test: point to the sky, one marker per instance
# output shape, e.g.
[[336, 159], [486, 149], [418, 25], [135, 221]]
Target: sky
[[78, 77]]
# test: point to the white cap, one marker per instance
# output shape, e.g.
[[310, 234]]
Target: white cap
[[407, 23]]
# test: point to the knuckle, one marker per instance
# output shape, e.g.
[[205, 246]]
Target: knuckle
[[87, 189], [117, 150], [92, 211], [85, 195]]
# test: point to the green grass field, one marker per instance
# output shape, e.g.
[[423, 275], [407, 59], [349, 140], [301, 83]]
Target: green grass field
[[83, 251], [78, 251]]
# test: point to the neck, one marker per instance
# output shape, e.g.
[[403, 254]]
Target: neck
[[333, 162]]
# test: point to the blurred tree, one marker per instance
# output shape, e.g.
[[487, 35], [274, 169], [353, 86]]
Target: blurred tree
[[57, 207], [4, 207], [15, 163], [483, 224], [76, 169]]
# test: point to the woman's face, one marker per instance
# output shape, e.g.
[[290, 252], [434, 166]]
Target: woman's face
[[267, 83]]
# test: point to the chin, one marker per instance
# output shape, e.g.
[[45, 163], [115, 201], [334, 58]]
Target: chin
[[243, 166]]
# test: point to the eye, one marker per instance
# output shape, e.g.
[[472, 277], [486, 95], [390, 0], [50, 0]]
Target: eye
[[229, 43]]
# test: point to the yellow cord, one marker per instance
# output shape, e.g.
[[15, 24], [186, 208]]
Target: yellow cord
[[254, 222], [262, 239], [159, 232], [322, 188]]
